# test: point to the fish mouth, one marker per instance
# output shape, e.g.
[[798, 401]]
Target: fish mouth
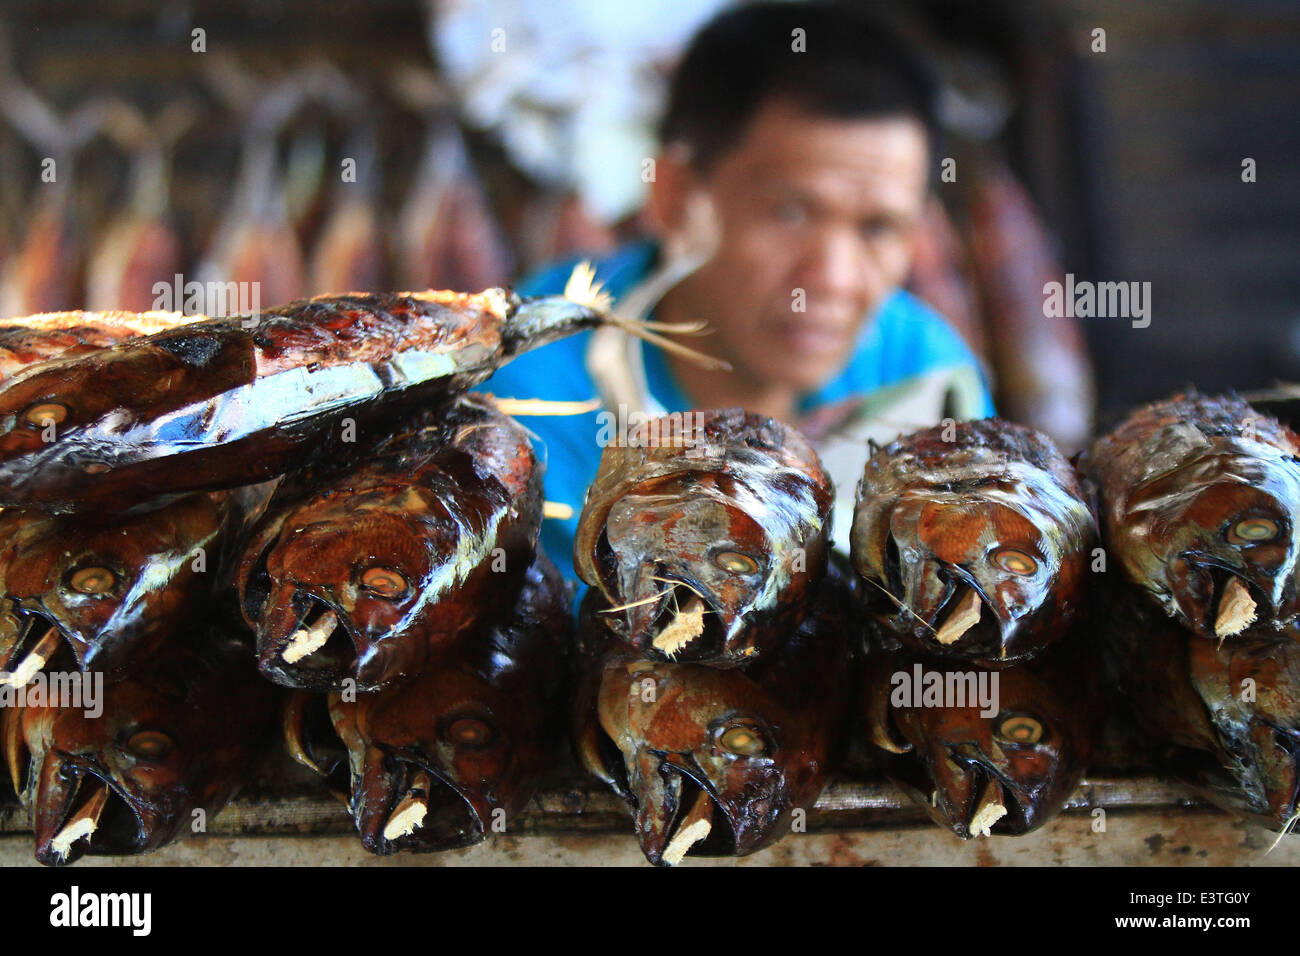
[[971, 798], [1258, 777], [410, 805], [79, 810], [683, 626], [311, 645], [686, 819], [39, 646], [966, 624], [1233, 603]]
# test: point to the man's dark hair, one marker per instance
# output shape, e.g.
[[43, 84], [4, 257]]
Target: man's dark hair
[[851, 67]]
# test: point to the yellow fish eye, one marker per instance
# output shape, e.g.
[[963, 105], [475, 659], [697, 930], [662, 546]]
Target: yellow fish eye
[[151, 745], [92, 580], [1015, 561], [1253, 530], [1021, 729], [469, 732], [744, 741], [384, 581], [735, 563], [45, 413]]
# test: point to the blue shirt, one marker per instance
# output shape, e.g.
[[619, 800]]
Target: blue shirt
[[903, 340]]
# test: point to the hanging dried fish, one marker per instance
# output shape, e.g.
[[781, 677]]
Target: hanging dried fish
[[140, 247], [104, 596], [705, 533], [975, 540], [1224, 717], [715, 761], [985, 751], [362, 574], [440, 762], [1198, 502], [170, 741], [233, 401], [351, 252], [446, 234]]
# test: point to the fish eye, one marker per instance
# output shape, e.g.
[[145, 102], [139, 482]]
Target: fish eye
[[469, 732], [744, 741], [45, 413], [385, 582], [92, 580], [1253, 530], [150, 745], [734, 562], [1020, 729], [1015, 561]]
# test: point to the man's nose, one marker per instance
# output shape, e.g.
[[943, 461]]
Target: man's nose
[[835, 265]]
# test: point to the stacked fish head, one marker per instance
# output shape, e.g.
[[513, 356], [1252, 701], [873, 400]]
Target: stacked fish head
[[708, 551], [983, 751], [131, 773], [439, 762], [974, 545], [362, 581], [110, 593], [1200, 497], [1225, 716], [711, 761], [716, 761]]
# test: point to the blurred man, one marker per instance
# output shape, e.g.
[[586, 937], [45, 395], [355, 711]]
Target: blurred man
[[797, 152]]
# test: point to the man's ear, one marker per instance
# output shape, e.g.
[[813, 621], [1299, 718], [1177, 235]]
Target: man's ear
[[674, 179]]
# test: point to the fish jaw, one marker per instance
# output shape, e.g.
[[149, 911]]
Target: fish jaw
[[675, 814], [411, 804], [77, 809], [1214, 599], [971, 799], [307, 642]]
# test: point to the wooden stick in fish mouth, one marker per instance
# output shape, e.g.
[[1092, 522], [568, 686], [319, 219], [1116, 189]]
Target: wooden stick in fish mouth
[[961, 618], [530, 407], [583, 289], [989, 811], [1236, 610], [695, 826], [687, 623], [81, 824], [36, 658], [557, 509], [309, 638], [410, 812]]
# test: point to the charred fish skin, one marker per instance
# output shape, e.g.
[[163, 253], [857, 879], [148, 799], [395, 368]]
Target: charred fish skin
[[440, 762], [719, 518], [359, 578], [985, 751], [715, 761], [1198, 502], [1225, 716], [233, 401], [170, 740], [974, 540], [106, 595]]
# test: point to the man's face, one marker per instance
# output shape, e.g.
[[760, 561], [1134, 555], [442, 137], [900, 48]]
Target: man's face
[[823, 205]]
